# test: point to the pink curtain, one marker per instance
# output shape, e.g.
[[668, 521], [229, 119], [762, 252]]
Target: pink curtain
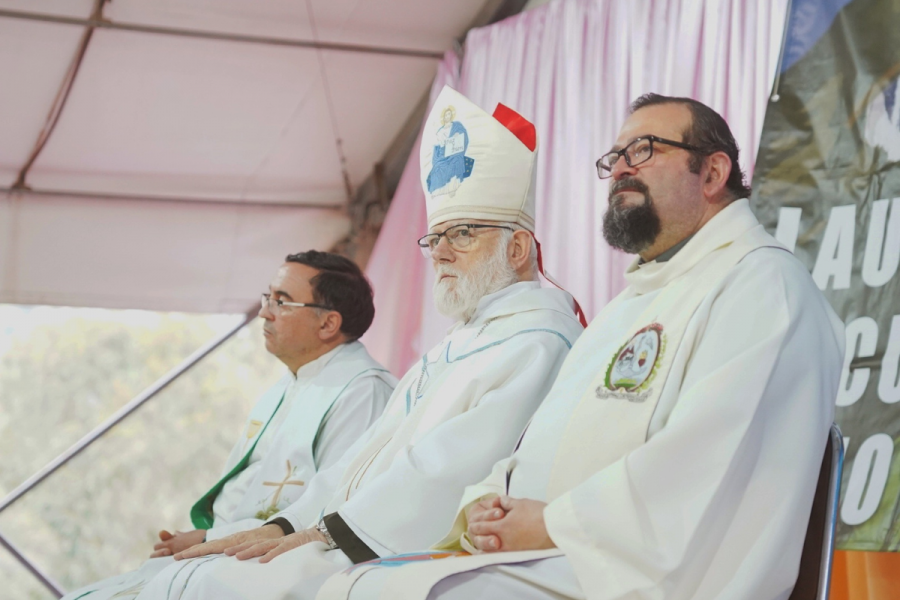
[[573, 67], [398, 271]]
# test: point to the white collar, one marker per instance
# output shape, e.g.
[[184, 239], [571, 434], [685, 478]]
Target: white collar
[[314, 367], [728, 225]]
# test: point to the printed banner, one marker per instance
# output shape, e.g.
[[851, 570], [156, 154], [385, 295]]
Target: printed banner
[[827, 182]]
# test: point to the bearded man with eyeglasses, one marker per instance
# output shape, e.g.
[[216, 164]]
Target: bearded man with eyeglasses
[[677, 454], [457, 410], [317, 307]]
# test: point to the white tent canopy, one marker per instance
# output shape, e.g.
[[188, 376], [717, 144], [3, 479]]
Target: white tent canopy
[[183, 168]]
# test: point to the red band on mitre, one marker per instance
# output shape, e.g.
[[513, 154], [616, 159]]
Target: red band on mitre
[[517, 124]]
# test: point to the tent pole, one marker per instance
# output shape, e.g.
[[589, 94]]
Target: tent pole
[[173, 199], [45, 579], [96, 434], [226, 37], [59, 103], [123, 412]]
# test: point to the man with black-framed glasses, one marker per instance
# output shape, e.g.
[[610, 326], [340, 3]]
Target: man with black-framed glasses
[[317, 306], [677, 453]]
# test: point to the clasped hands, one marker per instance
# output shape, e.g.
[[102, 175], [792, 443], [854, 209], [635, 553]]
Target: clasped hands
[[504, 524], [266, 542]]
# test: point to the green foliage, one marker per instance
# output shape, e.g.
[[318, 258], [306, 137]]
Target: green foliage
[[99, 515]]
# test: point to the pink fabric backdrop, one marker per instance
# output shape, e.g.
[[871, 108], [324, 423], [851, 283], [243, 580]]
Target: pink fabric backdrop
[[398, 271], [573, 67]]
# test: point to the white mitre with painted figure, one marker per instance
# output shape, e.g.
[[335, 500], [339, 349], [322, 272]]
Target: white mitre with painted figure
[[477, 166], [480, 166]]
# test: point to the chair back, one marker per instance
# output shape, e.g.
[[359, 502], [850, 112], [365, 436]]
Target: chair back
[[814, 579]]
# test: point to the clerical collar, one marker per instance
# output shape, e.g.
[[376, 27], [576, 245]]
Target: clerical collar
[[312, 368], [668, 254]]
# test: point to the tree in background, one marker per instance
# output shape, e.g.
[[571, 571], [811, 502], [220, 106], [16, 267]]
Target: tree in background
[[99, 515]]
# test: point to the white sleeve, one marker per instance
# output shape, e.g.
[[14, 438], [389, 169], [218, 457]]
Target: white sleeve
[[412, 504], [306, 510], [726, 485], [358, 406]]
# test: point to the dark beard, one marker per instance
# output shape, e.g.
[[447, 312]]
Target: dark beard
[[631, 229]]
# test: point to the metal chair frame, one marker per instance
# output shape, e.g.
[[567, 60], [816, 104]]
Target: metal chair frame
[[817, 559]]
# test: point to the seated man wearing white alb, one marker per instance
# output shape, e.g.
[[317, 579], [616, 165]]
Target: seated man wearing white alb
[[457, 411], [677, 454], [318, 305]]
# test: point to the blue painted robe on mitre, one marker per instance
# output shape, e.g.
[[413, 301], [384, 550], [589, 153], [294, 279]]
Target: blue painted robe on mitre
[[444, 168]]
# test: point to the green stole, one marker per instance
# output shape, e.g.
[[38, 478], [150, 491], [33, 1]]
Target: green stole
[[202, 512]]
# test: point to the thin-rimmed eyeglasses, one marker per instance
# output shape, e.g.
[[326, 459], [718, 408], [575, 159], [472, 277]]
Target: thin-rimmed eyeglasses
[[276, 305], [459, 237]]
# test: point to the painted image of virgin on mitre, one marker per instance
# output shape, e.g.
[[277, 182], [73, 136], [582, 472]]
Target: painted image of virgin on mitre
[[449, 163]]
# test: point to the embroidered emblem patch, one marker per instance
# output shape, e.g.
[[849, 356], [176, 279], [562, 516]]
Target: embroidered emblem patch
[[449, 163], [634, 366]]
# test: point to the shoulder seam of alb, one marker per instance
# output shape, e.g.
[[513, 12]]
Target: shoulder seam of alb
[[568, 314], [503, 341]]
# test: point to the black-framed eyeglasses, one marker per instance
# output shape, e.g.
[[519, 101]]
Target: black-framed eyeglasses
[[637, 152], [276, 305], [459, 237]]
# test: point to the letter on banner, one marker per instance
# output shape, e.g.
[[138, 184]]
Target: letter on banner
[[882, 256], [862, 332], [788, 227], [888, 387], [861, 500], [836, 252]]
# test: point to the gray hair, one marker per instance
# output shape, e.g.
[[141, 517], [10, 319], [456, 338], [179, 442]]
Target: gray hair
[[506, 237]]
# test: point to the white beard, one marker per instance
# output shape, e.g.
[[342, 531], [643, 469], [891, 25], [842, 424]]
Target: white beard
[[458, 297]]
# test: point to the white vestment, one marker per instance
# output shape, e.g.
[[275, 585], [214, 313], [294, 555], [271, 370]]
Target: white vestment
[[454, 414], [687, 476], [304, 423]]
